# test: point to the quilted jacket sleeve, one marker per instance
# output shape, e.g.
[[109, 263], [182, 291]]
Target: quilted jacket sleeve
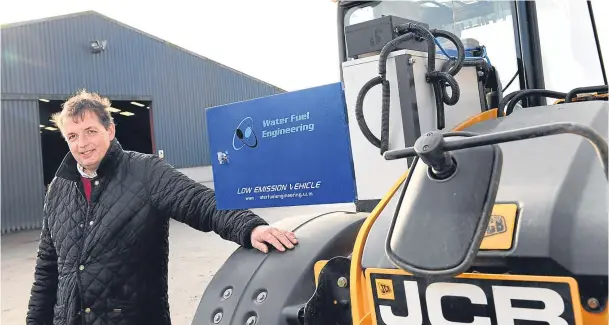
[[195, 204], [44, 288]]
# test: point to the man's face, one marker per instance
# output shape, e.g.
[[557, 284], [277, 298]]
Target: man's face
[[88, 139]]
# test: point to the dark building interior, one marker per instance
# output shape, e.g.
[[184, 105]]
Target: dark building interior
[[133, 131]]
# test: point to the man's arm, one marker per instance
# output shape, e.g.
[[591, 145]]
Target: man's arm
[[44, 289], [195, 204]]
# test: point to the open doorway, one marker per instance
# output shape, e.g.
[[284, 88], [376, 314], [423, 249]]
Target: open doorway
[[133, 131]]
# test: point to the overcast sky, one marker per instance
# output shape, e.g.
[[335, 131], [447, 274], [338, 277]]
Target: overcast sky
[[295, 45]]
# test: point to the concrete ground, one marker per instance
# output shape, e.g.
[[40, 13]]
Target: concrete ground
[[192, 264]]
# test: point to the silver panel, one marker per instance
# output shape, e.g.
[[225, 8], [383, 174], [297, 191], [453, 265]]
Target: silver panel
[[374, 175]]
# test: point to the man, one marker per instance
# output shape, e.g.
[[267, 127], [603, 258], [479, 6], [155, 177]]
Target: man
[[103, 251]]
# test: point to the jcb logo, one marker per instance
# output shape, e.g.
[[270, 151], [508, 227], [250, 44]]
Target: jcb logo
[[509, 304], [384, 289], [496, 226]]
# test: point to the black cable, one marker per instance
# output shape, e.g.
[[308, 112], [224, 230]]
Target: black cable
[[504, 102], [581, 90], [531, 92], [386, 96], [458, 44], [510, 82], [424, 33], [359, 110], [383, 143], [598, 44], [388, 48], [439, 79]]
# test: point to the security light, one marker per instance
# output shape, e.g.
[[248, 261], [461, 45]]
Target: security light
[[98, 46], [44, 100], [113, 110], [126, 113]]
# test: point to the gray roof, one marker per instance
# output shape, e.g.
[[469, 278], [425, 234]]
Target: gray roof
[[92, 12]]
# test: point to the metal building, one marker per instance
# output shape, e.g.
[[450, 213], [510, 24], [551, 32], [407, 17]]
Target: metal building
[[51, 58]]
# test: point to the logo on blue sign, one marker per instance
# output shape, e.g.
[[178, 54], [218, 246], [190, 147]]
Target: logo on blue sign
[[244, 135]]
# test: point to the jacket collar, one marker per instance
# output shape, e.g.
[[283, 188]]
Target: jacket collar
[[68, 169]]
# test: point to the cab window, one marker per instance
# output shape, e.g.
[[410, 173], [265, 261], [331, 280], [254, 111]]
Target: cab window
[[487, 23]]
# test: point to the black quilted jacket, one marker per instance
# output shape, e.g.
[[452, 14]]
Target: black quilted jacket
[[106, 262]]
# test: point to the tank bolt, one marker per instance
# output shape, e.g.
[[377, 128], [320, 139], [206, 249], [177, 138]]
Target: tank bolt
[[261, 297], [342, 282], [411, 61], [593, 303], [227, 293], [217, 317], [251, 320], [425, 147]]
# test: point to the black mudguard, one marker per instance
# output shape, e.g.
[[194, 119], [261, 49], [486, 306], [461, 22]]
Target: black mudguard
[[272, 289]]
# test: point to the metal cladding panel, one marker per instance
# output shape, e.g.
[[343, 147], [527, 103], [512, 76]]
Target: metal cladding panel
[[21, 160], [52, 58]]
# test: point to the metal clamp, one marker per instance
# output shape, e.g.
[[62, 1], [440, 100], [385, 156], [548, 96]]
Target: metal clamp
[[223, 157]]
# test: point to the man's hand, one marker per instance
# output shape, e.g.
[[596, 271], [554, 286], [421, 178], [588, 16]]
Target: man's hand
[[276, 237]]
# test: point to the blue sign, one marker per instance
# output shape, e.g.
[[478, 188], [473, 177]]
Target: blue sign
[[283, 150]]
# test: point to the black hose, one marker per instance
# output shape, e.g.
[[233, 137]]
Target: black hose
[[387, 49], [473, 62], [510, 82], [440, 120], [531, 92], [383, 143], [426, 35], [439, 79], [359, 110], [385, 117], [581, 90], [442, 79], [504, 102], [479, 63], [458, 44]]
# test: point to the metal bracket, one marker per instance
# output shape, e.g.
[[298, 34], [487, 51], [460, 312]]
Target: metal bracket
[[223, 158], [330, 304]]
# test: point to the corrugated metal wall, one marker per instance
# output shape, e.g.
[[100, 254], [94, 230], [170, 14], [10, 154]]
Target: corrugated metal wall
[[52, 59], [21, 166]]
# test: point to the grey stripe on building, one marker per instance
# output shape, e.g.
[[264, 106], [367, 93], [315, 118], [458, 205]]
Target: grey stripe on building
[[52, 58]]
